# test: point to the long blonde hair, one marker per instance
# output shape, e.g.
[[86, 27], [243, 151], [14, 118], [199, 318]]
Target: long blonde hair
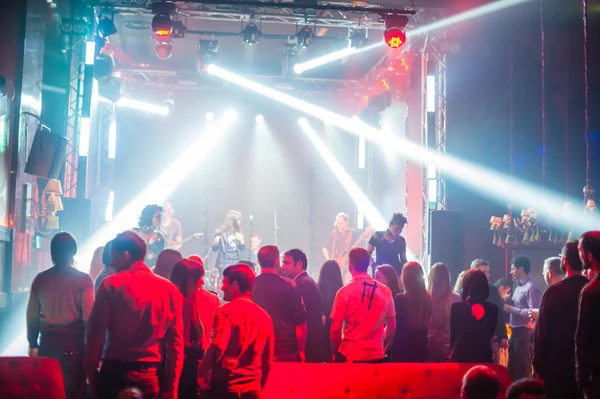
[[458, 286], [419, 300], [439, 285]]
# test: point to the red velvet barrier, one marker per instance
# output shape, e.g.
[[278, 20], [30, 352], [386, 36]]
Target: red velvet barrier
[[30, 377]]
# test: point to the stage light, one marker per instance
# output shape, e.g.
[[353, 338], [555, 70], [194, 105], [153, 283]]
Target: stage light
[[103, 68], [394, 35], [164, 50], [125, 102], [305, 37], [430, 93], [209, 116], [250, 34], [106, 27], [259, 118], [357, 38], [461, 17], [112, 139], [495, 185], [90, 52], [208, 51], [162, 25]]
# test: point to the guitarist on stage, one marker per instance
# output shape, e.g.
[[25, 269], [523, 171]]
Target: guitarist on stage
[[171, 228], [148, 229]]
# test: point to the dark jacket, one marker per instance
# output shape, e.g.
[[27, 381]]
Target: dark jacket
[[471, 332], [316, 350], [587, 344]]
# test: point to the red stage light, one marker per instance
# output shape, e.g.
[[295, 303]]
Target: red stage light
[[394, 37], [162, 32]]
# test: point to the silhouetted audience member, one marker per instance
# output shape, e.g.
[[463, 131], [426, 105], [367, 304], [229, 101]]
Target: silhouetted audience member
[[526, 388], [330, 281], [96, 264], [199, 307], [473, 321], [60, 302], [135, 327], [413, 317], [480, 382], [504, 287], [442, 298], [587, 343], [282, 300], [107, 262], [239, 357], [165, 262], [526, 296], [386, 275], [294, 266], [365, 310], [554, 344]]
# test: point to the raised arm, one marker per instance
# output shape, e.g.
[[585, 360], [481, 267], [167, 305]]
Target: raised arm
[[96, 334], [33, 320]]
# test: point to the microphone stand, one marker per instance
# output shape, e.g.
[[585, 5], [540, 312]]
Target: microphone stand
[[275, 225], [250, 239]]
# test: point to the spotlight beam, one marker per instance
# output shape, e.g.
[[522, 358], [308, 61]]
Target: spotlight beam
[[497, 186], [461, 17], [125, 102]]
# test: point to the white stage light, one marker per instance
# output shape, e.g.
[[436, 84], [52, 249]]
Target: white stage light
[[108, 214], [497, 186], [90, 52], [209, 116], [125, 102], [430, 93], [84, 137], [112, 139], [259, 118], [463, 16]]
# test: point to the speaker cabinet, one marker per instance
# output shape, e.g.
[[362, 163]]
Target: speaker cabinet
[[447, 240], [47, 154]]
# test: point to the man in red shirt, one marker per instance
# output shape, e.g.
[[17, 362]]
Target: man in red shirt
[[135, 327], [240, 354]]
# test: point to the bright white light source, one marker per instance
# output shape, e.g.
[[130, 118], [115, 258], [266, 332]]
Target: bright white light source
[[259, 118], [112, 139], [90, 52], [431, 171], [432, 194], [108, 214], [126, 102], [84, 137], [430, 95], [360, 220], [209, 116], [362, 152], [334, 56], [34, 103]]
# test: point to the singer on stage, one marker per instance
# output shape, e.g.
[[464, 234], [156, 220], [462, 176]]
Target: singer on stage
[[228, 241], [148, 229]]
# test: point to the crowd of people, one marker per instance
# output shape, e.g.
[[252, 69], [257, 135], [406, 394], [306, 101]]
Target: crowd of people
[[160, 333]]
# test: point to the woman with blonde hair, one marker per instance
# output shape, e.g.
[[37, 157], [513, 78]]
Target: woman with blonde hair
[[442, 297], [413, 316], [458, 286]]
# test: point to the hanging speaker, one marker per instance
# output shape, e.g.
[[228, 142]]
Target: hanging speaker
[[447, 240], [47, 154]]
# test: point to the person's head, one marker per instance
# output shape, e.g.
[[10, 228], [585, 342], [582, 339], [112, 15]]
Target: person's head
[[238, 280], [187, 276], [294, 263], [268, 257], [341, 222], [526, 388], [397, 223], [168, 210], [196, 258], [571, 261], [386, 275], [482, 265], [63, 249], [358, 260], [330, 278], [151, 216], [106, 254], [438, 281], [480, 382], [413, 277], [165, 261], [504, 286], [589, 250], [475, 287], [520, 267], [255, 242], [127, 248], [553, 270], [458, 286]]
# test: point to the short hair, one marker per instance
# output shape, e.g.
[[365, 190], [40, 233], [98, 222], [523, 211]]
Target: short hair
[[166, 259], [185, 271], [522, 261], [242, 274], [480, 382], [267, 256], [479, 262], [590, 243], [503, 282], [571, 253], [360, 258], [475, 286], [343, 215], [554, 265], [148, 213], [398, 219], [297, 256], [106, 254], [529, 386], [63, 248], [131, 242]]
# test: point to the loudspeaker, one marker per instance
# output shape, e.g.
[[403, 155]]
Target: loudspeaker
[[76, 218], [47, 154], [447, 240]]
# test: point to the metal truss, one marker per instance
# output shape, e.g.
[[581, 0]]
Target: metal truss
[[104, 170], [171, 80]]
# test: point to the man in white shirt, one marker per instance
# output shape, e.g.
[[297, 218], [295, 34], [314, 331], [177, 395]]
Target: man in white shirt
[[367, 309]]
